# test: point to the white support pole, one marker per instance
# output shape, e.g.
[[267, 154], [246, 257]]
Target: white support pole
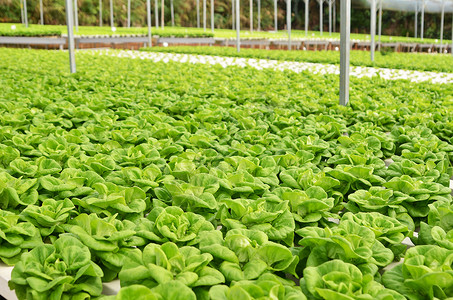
[[416, 20], [41, 13], [128, 13], [451, 49], [25, 13], [238, 26], [423, 19], [275, 16], [172, 12], [69, 25], [345, 30], [330, 17], [259, 16], [320, 15], [212, 16], [76, 16], [442, 27], [334, 16], [204, 15], [148, 19], [100, 13], [156, 13], [288, 22], [307, 2], [198, 13], [373, 28], [251, 15], [233, 14], [380, 24], [112, 21], [162, 14], [22, 18]]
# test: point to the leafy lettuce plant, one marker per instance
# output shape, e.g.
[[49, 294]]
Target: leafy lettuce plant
[[172, 224], [16, 237], [49, 217], [109, 240], [274, 218], [381, 200], [17, 192], [426, 273], [267, 286], [439, 227], [337, 279], [246, 254], [63, 270], [174, 290], [159, 264], [349, 241]]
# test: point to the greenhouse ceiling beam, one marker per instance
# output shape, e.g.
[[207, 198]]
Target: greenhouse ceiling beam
[[345, 48], [288, 22], [69, 25]]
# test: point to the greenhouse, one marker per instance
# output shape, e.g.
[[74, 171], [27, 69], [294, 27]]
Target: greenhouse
[[226, 149]]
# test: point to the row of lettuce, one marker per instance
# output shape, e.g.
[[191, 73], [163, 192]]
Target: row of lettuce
[[190, 182], [392, 60]]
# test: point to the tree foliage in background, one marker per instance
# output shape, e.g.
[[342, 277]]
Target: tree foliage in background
[[394, 23]]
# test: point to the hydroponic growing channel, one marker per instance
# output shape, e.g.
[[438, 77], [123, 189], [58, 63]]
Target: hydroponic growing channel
[[193, 181]]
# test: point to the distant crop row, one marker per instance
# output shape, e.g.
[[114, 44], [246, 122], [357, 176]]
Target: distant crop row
[[202, 182]]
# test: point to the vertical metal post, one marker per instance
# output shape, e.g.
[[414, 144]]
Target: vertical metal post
[[162, 14], [41, 13], [423, 19], [112, 22], [212, 16], [416, 20], [148, 19], [330, 17], [70, 24], [373, 28], [128, 13], [451, 35], [233, 13], [306, 16], [76, 16], [100, 13], [198, 13], [320, 15], [335, 16], [156, 13], [172, 12], [259, 16], [345, 30], [22, 12], [275, 16], [288, 22], [442, 27], [251, 15], [238, 26], [204, 15], [380, 24], [25, 13]]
